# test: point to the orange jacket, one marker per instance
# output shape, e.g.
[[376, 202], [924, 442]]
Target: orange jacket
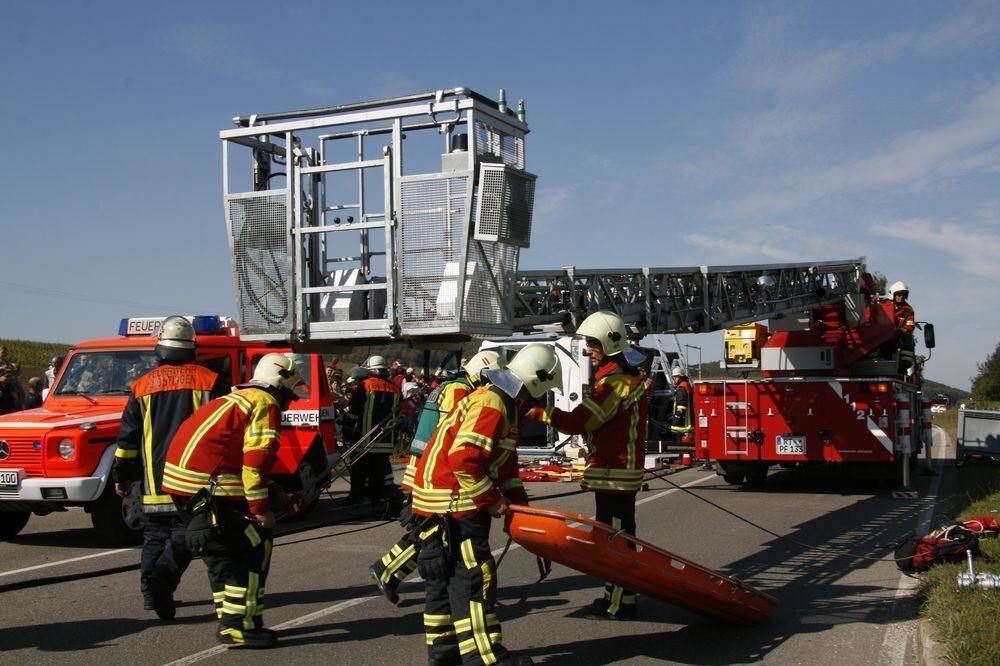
[[613, 419], [904, 316], [233, 439], [472, 457]]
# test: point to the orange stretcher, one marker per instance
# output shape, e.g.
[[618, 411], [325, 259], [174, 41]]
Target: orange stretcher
[[600, 550]]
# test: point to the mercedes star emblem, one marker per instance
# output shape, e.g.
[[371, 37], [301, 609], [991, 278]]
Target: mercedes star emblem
[[4, 450]]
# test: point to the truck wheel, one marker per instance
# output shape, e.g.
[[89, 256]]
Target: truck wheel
[[757, 475], [12, 522], [733, 479], [107, 514]]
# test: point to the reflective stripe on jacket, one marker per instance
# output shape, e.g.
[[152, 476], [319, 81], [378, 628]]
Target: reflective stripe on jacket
[[472, 458], [160, 402], [233, 438], [613, 421]]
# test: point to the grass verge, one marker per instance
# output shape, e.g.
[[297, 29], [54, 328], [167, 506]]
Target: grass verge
[[966, 622]]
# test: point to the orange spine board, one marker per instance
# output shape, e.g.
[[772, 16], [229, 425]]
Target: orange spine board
[[599, 550]]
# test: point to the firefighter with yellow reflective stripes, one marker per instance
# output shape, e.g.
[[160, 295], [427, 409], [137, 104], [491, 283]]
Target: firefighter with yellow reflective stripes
[[680, 419], [613, 420], [375, 400], [467, 476], [401, 560], [218, 469], [159, 402]]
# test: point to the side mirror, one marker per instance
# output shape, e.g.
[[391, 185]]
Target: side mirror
[[929, 336]]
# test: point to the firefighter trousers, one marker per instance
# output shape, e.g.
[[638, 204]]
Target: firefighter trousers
[[460, 621], [238, 558], [400, 560], [371, 474], [165, 555], [617, 510]]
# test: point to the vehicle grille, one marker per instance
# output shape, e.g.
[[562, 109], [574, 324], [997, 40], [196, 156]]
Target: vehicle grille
[[24, 455]]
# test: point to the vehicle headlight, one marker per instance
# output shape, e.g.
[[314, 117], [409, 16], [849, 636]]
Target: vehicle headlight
[[67, 449]]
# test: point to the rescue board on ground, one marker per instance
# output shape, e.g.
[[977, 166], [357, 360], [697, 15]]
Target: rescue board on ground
[[599, 550]]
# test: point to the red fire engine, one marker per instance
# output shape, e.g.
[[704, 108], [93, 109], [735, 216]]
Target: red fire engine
[[833, 391], [59, 455]]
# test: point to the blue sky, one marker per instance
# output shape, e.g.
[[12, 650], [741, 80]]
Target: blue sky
[[716, 133]]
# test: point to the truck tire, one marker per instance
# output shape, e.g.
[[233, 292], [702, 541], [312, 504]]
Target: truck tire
[[734, 479], [758, 475], [12, 522], [108, 517]]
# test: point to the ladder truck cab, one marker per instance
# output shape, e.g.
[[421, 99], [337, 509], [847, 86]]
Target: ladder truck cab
[[833, 390], [59, 455]]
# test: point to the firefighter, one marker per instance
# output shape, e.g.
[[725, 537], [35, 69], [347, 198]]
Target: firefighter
[[400, 560], [159, 402], [468, 475], [680, 420], [613, 419], [218, 469], [375, 401], [906, 321]]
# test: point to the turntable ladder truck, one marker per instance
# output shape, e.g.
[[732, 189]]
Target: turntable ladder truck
[[402, 220]]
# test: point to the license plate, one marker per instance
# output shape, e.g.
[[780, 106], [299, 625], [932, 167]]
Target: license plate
[[790, 445], [10, 479]]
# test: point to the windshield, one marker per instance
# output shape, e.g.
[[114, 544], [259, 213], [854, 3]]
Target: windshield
[[104, 372]]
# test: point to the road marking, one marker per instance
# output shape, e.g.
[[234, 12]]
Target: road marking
[[897, 634], [344, 605], [72, 559]]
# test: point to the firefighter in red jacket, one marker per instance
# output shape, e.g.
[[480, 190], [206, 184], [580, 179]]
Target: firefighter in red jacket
[[468, 475], [680, 419], [400, 560], [906, 321], [613, 419], [218, 469], [160, 401], [375, 401]]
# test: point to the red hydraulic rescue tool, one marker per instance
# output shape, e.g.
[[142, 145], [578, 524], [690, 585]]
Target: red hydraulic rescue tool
[[599, 550]]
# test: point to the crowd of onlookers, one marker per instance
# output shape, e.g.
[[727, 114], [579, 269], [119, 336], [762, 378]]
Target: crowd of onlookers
[[414, 387], [13, 395]]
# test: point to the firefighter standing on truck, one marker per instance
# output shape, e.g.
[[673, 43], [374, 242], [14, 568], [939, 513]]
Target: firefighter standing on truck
[[375, 401], [613, 419], [906, 321], [218, 470], [680, 419], [160, 401], [400, 560], [468, 475]]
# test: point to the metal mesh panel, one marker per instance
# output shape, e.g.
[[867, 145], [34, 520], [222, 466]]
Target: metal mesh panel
[[262, 265], [433, 220], [490, 283], [490, 141], [506, 198]]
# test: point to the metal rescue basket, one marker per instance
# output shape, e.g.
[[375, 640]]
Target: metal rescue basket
[[394, 218]]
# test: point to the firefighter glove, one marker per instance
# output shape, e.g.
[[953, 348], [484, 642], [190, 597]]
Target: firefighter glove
[[431, 562], [199, 533]]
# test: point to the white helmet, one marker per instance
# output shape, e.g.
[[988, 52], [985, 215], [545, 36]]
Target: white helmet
[[375, 363], [276, 371], [899, 286], [676, 371], [175, 340], [607, 328], [538, 368], [484, 360]]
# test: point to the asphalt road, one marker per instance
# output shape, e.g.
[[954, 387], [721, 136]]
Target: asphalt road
[[64, 598]]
